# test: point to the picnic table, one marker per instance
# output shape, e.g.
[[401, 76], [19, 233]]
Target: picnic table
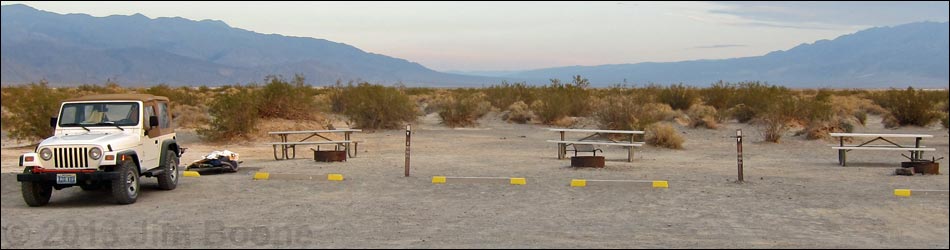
[[916, 150], [563, 142], [288, 149]]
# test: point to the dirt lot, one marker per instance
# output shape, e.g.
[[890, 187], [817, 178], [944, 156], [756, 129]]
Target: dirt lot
[[798, 198]]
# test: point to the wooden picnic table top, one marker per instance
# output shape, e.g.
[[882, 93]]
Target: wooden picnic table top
[[314, 131], [598, 131], [880, 135]]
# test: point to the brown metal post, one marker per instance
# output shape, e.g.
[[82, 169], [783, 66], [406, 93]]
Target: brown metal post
[[408, 144], [739, 143]]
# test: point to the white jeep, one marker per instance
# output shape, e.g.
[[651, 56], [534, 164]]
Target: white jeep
[[104, 141]]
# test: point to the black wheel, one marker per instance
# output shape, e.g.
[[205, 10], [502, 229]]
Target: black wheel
[[35, 194], [125, 188], [169, 179]]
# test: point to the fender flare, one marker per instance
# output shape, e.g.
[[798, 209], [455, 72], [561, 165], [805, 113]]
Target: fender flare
[[131, 154], [167, 145]]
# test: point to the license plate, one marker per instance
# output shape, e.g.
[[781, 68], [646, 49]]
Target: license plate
[[66, 179]]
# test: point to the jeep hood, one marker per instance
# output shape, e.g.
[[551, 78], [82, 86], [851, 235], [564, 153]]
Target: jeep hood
[[116, 140]]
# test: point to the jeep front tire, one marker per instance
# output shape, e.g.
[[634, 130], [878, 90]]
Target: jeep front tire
[[125, 188], [168, 180], [35, 194]]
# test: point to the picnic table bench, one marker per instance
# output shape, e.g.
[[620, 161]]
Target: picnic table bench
[[916, 150], [563, 142], [288, 149]]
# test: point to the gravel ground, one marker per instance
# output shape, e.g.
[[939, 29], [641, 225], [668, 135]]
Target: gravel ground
[[797, 198]]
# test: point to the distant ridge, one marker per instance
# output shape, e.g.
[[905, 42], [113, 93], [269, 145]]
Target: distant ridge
[[907, 55], [136, 50]]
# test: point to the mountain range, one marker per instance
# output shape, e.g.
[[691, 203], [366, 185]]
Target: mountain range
[[136, 50], [75, 49]]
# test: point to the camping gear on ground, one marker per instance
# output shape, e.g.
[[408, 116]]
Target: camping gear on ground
[[221, 161]]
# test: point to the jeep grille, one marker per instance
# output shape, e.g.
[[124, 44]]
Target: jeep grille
[[71, 158]]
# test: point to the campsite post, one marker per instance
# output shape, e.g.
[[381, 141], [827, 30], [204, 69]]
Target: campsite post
[[408, 143], [739, 147]]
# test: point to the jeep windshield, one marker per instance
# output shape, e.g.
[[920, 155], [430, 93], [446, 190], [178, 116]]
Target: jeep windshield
[[112, 114]]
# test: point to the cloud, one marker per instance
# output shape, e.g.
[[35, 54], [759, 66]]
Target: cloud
[[829, 15], [721, 46]]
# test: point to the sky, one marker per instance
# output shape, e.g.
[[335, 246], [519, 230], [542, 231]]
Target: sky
[[512, 36]]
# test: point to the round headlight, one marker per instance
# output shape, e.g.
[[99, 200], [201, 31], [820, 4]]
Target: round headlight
[[95, 153], [46, 154]]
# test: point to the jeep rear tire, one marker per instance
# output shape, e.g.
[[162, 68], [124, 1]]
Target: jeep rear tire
[[125, 188], [35, 194], [168, 180]]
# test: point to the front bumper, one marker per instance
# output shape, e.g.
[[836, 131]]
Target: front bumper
[[80, 177]]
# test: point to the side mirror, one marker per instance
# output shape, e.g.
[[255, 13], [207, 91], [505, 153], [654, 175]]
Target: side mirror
[[52, 122], [152, 121]]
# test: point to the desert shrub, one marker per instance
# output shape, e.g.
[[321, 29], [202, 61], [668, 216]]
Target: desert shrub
[[419, 91], [504, 95], [110, 87], [946, 121], [823, 130], [845, 105], [679, 96], [286, 100], [720, 95], [463, 110], [754, 98], [519, 112], [703, 116], [909, 107], [30, 108], [234, 115], [181, 95], [631, 113], [373, 106], [557, 101], [809, 109], [776, 118], [862, 117], [187, 116], [665, 136]]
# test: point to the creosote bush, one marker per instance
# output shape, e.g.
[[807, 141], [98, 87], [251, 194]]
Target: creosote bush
[[910, 107], [631, 113], [558, 101], [463, 110], [371, 106], [286, 100], [504, 95], [679, 97], [30, 108], [234, 115]]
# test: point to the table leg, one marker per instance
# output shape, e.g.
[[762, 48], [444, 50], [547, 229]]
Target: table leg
[[275, 153], [918, 154], [841, 153], [346, 137], [283, 138], [561, 148], [630, 154], [844, 158]]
